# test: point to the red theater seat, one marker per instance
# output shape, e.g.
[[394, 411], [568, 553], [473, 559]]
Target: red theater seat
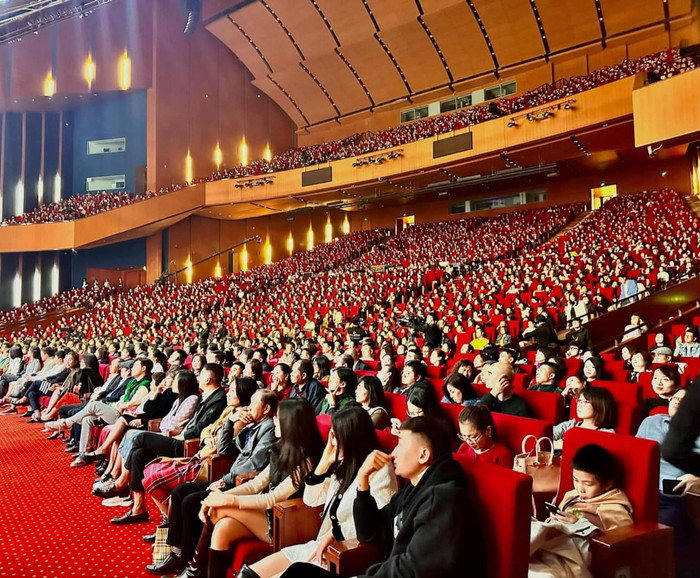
[[644, 549], [503, 517], [548, 407]]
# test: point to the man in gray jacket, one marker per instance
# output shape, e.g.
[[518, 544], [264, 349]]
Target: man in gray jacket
[[251, 449]]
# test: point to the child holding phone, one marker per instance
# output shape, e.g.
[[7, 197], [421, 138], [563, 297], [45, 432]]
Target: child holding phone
[[594, 496]]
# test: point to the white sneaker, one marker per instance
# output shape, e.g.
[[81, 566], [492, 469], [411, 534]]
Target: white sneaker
[[117, 502]]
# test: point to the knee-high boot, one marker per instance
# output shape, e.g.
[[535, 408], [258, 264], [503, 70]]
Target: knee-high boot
[[197, 567], [245, 572], [219, 562]]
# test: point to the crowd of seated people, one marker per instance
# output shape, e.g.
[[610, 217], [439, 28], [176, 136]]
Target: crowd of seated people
[[248, 325], [660, 65], [204, 514]]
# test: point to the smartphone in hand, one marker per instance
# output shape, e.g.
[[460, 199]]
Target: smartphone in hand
[[668, 485], [552, 508]]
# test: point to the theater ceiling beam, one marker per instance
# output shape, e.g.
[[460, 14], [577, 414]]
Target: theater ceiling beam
[[540, 27], [338, 51], [385, 47], [485, 34], [433, 41]]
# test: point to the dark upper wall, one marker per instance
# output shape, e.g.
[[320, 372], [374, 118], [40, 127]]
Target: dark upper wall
[[119, 255], [122, 115]]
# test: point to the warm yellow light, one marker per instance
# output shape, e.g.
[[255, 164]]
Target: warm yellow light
[[125, 71], [244, 259], [244, 152], [217, 270], [218, 156], [268, 251], [310, 238], [188, 270], [329, 230], [189, 171], [267, 153], [90, 71], [290, 244], [49, 85], [346, 226]]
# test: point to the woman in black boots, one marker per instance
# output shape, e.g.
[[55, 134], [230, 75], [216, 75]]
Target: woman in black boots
[[246, 511]]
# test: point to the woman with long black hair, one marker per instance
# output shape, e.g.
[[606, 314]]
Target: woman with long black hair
[[333, 484], [245, 512]]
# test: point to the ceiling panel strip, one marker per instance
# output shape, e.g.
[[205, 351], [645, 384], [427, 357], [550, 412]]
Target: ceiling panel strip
[[569, 24]]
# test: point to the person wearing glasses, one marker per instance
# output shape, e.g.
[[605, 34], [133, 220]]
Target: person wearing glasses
[[595, 409], [478, 432]]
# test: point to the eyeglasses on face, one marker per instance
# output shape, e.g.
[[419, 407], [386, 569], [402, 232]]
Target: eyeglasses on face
[[471, 438], [417, 413]]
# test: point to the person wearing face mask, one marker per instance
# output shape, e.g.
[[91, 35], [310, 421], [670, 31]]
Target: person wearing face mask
[[341, 391]]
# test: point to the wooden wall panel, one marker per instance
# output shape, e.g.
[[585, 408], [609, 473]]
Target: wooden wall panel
[[268, 35], [568, 67], [154, 257], [393, 13], [205, 241], [339, 81], [667, 109], [350, 20], [179, 247], [602, 58], [304, 90], [236, 41], [31, 63]]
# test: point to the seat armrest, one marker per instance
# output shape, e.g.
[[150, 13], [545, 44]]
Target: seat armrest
[[243, 478], [154, 425], [294, 523], [191, 447], [644, 549], [352, 557], [219, 466]]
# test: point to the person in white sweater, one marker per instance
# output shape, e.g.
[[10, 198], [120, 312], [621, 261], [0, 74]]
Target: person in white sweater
[[333, 484], [245, 512]]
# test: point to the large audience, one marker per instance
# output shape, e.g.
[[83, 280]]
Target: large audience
[[660, 65], [483, 314]]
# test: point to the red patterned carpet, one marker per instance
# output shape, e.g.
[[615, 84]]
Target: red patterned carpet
[[51, 525]]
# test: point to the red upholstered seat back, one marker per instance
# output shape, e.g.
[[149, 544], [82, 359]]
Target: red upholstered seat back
[[511, 429], [396, 405], [104, 371], [505, 507], [548, 407], [435, 371], [638, 466], [621, 391], [324, 425]]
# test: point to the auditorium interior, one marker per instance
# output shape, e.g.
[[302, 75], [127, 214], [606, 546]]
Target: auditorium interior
[[481, 214]]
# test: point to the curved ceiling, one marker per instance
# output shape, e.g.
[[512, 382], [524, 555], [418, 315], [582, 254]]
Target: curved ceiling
[[324, 59]]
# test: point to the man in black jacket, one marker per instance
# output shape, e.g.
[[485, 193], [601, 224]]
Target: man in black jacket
[[429, 527]]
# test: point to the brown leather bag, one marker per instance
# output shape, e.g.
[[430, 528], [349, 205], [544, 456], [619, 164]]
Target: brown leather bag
[[544, 467]]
